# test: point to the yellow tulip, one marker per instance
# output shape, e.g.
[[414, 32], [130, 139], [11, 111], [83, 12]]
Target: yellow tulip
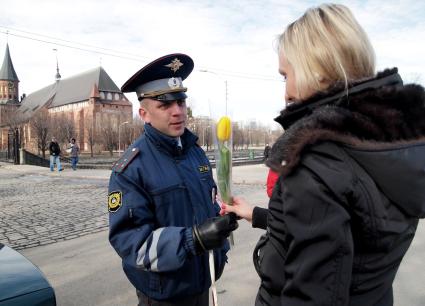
[[223, 128]]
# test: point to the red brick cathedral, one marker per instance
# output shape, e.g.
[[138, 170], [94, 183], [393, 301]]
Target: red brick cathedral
[[88, 99]]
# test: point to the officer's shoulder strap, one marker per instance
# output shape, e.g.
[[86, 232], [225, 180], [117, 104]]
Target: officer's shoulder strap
[[125, 160]]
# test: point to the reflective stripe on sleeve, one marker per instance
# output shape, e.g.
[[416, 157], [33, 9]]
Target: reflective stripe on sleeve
[[141, 255], [153, 251]]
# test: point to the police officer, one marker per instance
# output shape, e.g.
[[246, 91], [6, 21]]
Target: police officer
[[162, 210]]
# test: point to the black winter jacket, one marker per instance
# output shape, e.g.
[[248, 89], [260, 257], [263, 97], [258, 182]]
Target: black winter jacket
[[347, 203], [54, 148]]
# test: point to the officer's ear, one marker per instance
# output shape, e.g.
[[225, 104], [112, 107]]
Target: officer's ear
[[144, 111], [144, 114]]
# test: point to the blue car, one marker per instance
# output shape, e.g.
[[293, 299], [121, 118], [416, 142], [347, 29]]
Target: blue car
[[21, 282]]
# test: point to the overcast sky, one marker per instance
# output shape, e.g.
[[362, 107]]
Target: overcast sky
[[235, 40]]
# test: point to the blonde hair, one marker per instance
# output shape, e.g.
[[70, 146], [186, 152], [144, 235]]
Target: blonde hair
[[325, 46]]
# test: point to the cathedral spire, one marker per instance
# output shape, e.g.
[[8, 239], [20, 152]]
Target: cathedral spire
[[57, 76], [7, 72], [9, 81]]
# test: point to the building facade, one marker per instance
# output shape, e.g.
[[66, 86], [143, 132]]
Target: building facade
[[88, 100]]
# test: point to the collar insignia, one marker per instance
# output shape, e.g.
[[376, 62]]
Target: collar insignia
[[204, 168], [175, 64]]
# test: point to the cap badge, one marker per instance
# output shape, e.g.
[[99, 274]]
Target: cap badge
[[174, 83], [175, 64]]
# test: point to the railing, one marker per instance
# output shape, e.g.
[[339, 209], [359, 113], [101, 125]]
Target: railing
[[35, 160], [238, 159], [5, 157]]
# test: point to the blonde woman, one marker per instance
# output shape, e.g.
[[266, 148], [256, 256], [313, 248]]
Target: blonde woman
[[351, 164]]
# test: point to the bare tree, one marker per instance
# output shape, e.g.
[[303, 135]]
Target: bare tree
[[208, 138], [15, 121], [40, 124], [65, 128], [109, 135], [91, 133], [132, 131], [257, 137], [193, 125], [237, 136], [12, 118]]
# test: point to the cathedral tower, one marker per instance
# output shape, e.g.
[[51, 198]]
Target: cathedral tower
[[9, 82]]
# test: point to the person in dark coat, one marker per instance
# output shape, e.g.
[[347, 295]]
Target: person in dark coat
[[163, 213], [55, 153], [351, 189], [266, 152]]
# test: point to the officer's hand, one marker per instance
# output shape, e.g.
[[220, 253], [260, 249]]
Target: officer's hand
[[212, 233]]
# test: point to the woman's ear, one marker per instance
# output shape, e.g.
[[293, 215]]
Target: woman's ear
[[318, 77]]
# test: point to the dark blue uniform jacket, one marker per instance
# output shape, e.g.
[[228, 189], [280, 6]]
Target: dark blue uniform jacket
[[157, 192]]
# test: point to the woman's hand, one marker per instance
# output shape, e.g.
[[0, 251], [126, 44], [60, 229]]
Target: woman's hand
[[240, 207]]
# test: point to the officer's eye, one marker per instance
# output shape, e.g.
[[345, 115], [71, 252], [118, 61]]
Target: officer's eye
[[181, 102]]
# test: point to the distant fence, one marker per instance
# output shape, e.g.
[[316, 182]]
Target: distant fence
[[35, 160], [5, 157], [10, 153], [239, 158]]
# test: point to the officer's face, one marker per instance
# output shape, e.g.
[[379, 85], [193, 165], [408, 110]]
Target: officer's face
[[169, 118]]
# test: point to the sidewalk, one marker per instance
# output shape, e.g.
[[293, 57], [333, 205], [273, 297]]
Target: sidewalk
[[67, 172]]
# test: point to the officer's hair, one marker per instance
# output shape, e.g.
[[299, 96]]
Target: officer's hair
[[144, 103], [326, 46]]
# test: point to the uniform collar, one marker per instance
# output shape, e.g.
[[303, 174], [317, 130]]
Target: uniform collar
[[170, 144]]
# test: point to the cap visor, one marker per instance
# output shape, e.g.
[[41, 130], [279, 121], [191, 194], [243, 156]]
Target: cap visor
[[172, 96]]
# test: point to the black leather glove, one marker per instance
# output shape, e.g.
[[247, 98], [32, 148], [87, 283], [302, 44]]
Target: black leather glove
[[212, 233]]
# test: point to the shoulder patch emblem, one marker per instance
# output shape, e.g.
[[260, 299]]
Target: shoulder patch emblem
[[204, 168], [114, 201], [125, 160]]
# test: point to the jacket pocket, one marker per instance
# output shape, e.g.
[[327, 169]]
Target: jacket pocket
[[258, 254], [220, 259], [209, 194], [172, 206], [269, 262], [154, 282]]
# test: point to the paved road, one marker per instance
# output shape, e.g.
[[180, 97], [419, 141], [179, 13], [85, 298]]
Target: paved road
[[37, 209], [60, 220]]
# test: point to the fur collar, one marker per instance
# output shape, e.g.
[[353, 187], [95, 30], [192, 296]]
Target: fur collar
[[374, 113]]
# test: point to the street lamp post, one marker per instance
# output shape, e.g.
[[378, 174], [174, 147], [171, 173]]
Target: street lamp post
[[223, 79], [119, 137]]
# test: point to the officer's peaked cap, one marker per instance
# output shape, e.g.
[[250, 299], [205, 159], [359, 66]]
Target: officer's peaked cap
[[162, 78]]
